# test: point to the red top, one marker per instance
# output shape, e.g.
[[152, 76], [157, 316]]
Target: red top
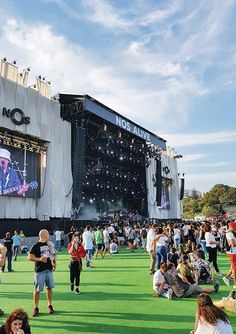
[[77, 253]]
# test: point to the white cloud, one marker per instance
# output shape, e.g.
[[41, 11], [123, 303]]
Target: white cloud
[[196, 156], [162, 14], [205, 181], [103, 13], [193, 139], [209, 165], [68, 10]]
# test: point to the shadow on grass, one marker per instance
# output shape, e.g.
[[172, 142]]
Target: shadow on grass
[[103, 296], [106, 284], [116, 328]]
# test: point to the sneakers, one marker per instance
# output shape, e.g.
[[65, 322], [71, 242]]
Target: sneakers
[[35, 312], [50, 309], [77, 292], [216, 286], [231, 294], [72, 287], [226, 280], [169, 294], [1, 312], [234, 286]]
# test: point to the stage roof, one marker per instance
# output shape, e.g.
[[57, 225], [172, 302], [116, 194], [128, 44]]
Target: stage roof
[[71, 105]]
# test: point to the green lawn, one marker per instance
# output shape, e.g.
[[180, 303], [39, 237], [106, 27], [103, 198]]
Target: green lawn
[[116, 297]]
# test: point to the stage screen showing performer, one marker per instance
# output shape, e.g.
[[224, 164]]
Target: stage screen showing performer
[[165, 198], [19, 172]]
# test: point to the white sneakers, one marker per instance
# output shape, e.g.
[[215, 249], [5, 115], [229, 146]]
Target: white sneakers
[[169, 294], [226, 280]]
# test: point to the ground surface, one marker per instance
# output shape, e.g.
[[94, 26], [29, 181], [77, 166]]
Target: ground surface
[[116, 297]]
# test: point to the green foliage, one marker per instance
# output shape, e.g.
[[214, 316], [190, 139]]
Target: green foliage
[[210, 203]]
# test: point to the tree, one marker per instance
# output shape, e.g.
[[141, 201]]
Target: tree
[[210, 204]]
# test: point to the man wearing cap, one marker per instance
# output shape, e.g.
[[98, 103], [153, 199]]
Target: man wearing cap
[[231, 239], [9, 180]]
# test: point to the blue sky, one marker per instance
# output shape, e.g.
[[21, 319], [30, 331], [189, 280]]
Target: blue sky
[[168, 65]]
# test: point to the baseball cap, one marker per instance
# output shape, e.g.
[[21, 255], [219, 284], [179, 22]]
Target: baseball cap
[[232, 224]]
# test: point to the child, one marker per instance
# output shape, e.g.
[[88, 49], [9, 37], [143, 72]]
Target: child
[[113, 247], [173, 256]]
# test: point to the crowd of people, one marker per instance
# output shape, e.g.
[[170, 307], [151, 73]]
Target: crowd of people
[[183, 256]]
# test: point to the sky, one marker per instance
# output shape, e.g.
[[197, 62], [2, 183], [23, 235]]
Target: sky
[[169, 66]]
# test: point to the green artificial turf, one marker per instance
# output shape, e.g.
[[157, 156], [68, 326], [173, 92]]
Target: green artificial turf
[[116, 297]]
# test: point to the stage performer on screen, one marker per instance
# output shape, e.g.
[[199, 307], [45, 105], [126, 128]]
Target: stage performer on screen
[[9, 180]]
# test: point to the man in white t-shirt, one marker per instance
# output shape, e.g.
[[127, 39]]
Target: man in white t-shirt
[[185, 229], [151, 235], [58, 235], [106, 240], [88, 241], [231, 239], [157, 280]]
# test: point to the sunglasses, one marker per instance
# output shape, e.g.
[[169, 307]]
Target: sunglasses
[[19, 316]]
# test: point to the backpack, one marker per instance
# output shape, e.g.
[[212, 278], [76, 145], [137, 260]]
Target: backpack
[[144, 233], [204, 274]]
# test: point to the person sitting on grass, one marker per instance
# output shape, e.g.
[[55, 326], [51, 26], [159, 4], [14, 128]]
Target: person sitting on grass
[[228, 303], [205, 272], [16, 323], [180, 288], [186, 271], [210, 319], [173, 256], [114, 249], [157, 280]]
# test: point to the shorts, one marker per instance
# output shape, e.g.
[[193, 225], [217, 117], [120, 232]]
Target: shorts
[[193, 288], [43, 278], [107, 245], [99, 246], [232, 258]]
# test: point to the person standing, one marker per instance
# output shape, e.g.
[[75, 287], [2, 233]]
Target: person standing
[[231, 239], [77, 252], [8, 243], [151, 235], [43, 254], [176, 237], [99, 242], [106, 240], [58, 235], [16, 244], [211, 244], [88, 239], [3, 252]]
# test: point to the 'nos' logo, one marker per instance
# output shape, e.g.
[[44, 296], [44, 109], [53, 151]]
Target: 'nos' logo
[[17, 116]]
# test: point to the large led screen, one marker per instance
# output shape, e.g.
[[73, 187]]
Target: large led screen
[[19, 172]]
